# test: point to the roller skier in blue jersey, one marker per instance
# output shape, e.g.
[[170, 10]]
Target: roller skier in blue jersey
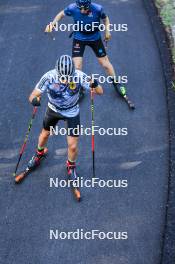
[[86, 13]]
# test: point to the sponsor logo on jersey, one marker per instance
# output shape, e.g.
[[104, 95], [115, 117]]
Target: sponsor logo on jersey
[[77, 46], [72, 85], [90, 14]]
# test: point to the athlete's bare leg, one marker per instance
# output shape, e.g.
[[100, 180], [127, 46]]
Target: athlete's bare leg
[[78, 61]]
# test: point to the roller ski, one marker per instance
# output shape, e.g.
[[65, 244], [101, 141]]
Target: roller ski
[[121, 90], [32, 165], [72, 178]]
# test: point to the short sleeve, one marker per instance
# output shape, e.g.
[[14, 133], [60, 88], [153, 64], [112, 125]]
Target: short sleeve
[[43, 83], [68, 11], [102, 13]]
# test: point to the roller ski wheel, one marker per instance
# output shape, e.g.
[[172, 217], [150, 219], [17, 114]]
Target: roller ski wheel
[[122, 92]]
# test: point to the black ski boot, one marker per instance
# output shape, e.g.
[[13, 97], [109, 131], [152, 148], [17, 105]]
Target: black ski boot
[[36, 159]]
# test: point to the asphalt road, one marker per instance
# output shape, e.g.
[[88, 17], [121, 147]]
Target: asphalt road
[[29, 211]]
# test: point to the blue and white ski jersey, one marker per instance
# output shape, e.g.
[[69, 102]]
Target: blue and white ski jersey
[[63, 98]]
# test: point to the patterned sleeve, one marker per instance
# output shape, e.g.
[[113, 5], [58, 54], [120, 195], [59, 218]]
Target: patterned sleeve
[[43, 83]]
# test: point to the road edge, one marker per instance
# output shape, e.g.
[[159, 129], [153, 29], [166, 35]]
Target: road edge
[[166, 10], [163, 43]]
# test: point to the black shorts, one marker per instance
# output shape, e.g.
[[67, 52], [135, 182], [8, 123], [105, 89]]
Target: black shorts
[[97, 46], [51, 119]]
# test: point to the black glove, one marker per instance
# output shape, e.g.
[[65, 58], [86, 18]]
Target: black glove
[[35, 102], [94, 84]]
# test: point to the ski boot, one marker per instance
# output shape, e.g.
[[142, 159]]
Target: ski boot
[[33, 163], [72, 175], [36, 159]]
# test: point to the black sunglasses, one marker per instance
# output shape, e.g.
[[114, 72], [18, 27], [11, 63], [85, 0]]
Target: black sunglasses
[[84, 7]]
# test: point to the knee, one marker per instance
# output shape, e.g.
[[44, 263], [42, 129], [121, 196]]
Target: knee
[[78, 63], [45, 133], [78, 66]]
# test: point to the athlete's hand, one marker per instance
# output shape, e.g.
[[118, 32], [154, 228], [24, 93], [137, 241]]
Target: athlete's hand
[[36, 101], [93, 83], [49, 28], [107, 36]]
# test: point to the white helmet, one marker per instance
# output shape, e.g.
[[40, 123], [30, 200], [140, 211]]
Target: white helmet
[[65, 66]]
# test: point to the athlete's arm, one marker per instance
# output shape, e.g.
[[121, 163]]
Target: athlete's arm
[[106, 21], [59, 16], [90, 83], [97, 88], [35, 97], [40, 88]]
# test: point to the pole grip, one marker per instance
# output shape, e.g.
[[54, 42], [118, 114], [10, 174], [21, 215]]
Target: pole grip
[[34, 111]]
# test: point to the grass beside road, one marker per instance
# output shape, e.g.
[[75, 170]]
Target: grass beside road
[[167, 12]]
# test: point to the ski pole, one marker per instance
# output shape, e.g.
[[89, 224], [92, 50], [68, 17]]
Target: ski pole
[[71, 34], [51, 35], [26, 139], [106, 44], [93, 136]]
